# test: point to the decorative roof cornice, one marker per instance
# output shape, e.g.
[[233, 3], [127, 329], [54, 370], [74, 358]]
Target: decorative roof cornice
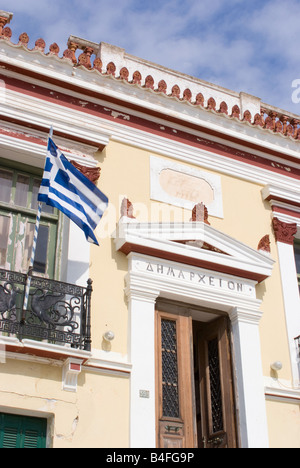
[[114, 63]]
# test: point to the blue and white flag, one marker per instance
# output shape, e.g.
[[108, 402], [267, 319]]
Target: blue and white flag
[[64, 187]]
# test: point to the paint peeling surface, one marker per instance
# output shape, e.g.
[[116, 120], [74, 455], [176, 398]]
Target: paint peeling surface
[[187, 187], [2, 92], [117, 115]]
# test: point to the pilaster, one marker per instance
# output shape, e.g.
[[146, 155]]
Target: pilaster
[[141, 329], [249, 377], [285, 236]]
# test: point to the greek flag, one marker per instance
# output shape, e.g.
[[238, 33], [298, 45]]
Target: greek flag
[[64, 187]]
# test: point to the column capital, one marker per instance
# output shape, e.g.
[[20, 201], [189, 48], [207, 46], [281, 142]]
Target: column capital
[[142, 295], [142, 291], [284, 232], [245, 315]]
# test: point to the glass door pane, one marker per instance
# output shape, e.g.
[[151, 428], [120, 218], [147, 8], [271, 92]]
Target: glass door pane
[[22, 188], [34, 199], [40, 262], [4, 239], [6, 182], [41, 254]]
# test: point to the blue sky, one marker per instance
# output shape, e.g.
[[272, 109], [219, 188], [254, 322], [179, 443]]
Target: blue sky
[[243, 45]]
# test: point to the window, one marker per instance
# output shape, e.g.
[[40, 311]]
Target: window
[[22, 432], [18, 208], [297, 257]]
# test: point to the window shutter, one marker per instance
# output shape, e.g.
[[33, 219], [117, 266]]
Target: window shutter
[[9, 437], [34, 433], [9, 431], [22, 432]]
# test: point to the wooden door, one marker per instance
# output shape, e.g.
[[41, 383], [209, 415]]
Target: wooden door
[[195, 394], [216, 422], [175, 396]]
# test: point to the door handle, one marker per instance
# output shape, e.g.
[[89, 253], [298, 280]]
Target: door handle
[[216, 441]]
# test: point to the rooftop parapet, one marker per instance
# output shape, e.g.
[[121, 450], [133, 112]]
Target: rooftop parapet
[[113, 61]]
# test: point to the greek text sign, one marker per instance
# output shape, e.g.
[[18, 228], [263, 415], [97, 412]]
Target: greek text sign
[[196, 277]]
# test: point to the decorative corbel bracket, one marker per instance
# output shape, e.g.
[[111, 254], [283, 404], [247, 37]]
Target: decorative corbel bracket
[[71, 371]]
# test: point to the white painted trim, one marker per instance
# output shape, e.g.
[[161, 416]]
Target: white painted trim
[[291, 300], [161, 237], [96, 361], [142, 356], [109, 362], [249, 377], [273, 192], [63, 119], [48, 347], [91, 80], [17, 139], [281, 390], [42, 346]]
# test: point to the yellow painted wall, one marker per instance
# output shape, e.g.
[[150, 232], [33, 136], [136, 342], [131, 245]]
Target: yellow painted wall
[[126, 172], [96, 416], [284, 424]]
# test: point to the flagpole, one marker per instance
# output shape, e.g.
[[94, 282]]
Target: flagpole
[[32, 258]]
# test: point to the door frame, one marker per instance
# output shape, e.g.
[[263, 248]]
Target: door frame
[[144, 286]]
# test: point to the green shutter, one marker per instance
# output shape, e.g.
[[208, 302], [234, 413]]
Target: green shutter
[[18, 210], [22, 432]]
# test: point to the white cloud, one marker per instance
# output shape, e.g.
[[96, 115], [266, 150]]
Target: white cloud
[[278, 25]]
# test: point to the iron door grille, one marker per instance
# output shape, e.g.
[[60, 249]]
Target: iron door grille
[[170, 389]]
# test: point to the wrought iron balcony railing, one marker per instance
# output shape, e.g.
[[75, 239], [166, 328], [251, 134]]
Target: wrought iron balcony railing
[[56, 312]]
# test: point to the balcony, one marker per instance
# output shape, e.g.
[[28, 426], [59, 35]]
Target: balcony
[[57, 313]]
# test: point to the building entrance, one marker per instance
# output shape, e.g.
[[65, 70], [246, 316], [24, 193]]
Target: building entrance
[[195, 395]]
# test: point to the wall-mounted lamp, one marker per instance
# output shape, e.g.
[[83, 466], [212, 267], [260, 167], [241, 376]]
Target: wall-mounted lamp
[[109, 336], [276, 366]]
